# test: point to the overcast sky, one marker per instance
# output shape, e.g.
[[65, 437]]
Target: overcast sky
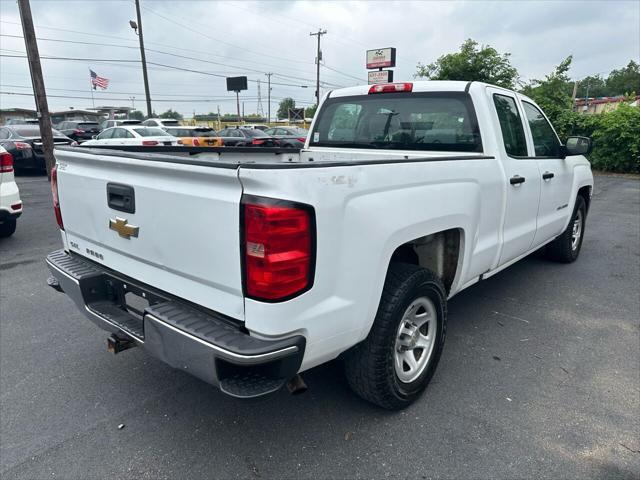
[[251, 38]]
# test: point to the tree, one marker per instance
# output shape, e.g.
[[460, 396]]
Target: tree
[[310, 112], [553, 93], [592, 86], [284, 106], [625, 81], [136, 115], [473, 62], [171, 114]]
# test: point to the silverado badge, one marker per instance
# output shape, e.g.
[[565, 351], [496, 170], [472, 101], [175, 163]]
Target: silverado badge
[[121, 226]]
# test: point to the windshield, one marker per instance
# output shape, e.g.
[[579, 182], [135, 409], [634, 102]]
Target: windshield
[[439, 121], [151, 132]]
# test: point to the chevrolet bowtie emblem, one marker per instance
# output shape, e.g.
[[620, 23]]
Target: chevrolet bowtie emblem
[[121, 226]]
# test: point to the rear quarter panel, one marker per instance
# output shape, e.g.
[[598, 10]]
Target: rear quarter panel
[[363, 213]]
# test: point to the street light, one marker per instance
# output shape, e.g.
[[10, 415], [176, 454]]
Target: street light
[[137, 28]]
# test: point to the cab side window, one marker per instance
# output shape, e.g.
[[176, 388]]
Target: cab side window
[[545, 141], [511, 125]]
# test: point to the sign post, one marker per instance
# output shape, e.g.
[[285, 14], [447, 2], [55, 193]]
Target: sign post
[[237, 84]]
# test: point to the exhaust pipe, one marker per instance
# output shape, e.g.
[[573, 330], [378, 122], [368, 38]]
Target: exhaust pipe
[[296, 385]]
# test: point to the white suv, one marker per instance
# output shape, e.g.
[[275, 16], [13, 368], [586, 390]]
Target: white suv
[[10, 204]]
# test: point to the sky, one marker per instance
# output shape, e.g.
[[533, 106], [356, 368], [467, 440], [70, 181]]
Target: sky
[[234, 38]]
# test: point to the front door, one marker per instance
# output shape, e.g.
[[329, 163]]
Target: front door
[[522, 178]]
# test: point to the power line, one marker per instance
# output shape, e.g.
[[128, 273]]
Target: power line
[[76, 42], [192, 100], [260, 54], [342, 73]]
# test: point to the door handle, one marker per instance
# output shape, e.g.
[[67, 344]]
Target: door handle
[[516, 180], [548, 175]]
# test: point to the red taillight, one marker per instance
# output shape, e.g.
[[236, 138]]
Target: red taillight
[[302, 139], [278, 248], [257, 142], [56, 199], [16, 206], [6, 162], [149, 143], [391, 87], [196, 142], [22, 145], [78, 131]]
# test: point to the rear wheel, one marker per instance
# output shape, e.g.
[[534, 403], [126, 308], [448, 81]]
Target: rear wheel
[[395, 363], [566, 247], [7, 228]]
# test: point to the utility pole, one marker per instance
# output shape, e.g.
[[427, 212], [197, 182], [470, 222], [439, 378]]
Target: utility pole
[[318, 34], [268, 97], [37, 81], [138, 29]]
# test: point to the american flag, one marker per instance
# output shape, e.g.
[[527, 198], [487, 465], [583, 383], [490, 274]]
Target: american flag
[[98, 81]]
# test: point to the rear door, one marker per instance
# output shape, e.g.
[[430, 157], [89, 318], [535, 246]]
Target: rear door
[[555, 172], [186, 220], [522, 177]]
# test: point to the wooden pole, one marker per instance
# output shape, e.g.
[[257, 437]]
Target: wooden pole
[[33, 57]]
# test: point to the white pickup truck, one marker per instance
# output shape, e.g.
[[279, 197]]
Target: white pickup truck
[[248, 266]]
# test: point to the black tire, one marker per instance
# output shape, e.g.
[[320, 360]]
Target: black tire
[[7, 228], [563, 249], [369, 366]]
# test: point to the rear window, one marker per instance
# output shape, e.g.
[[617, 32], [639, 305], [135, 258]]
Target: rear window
[[170, 122], [438, 121], [151, 132], [254, 132], [28, 131], [88, 125]]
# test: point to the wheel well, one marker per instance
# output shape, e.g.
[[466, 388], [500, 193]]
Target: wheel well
[[438, 252], [585, 193]]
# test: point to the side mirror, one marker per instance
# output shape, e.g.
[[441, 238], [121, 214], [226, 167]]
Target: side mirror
[[578, 146]]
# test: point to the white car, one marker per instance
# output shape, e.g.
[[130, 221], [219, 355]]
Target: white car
[[115, 123], [161, 122], [10, 203], [245, 268], [133, 135]]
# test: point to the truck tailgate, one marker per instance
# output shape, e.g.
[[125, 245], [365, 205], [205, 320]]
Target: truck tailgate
[[187, 216]]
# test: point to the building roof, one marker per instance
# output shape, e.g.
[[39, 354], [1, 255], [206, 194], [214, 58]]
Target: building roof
[[17, 110]]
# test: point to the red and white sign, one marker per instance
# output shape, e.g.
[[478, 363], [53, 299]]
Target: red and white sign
[[381, 57], [380, 76]]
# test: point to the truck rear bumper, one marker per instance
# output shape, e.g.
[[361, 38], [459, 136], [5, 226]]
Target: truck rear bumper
[[206, 344]]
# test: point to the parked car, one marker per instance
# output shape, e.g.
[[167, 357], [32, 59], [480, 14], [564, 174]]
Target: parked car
[[196, 136], [260, 265], [136, 135], [79, 131], [10, 203], [257, 126], [115, 123], [289, 136], [22, 121], [247, 137], [161, 122], [24, 143]]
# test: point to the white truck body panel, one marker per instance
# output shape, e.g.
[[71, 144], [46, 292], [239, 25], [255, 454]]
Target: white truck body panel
[[189, 218]]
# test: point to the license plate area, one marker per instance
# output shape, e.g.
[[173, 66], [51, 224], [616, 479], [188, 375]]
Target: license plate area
[[130, 297]]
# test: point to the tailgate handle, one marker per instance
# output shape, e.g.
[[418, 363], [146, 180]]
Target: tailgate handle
[[121, 197]]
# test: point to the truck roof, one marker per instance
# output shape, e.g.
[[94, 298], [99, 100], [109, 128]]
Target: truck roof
[[418, 86]]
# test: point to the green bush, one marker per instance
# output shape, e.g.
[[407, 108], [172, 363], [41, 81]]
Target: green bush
[[615, 134], [617, 140]]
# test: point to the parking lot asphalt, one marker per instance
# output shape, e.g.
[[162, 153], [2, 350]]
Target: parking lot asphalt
[[540, 378]]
